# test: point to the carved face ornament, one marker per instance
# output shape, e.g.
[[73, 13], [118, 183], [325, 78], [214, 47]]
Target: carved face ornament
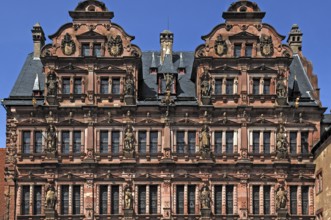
[[68, 46], [115, 46]]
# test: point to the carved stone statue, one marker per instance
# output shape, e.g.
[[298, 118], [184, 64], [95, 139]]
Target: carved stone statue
[[50, 140], [281, 198], [205, 198], [169, 78], [51, 84], [129, 86], [50, 197], [281, 143], [281, 88], [204, 141], [128, 198], [128, 141], [205, 85]]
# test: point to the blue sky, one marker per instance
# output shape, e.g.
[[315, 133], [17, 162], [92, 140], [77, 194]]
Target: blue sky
[[145, 19]]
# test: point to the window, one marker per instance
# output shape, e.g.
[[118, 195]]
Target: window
[[305, 200], [218, 86], [218, 200], [191, 142], [85, 50], [77, 143], [142, 200], [37, 201], [319, 182], [153, 199], [266, 87], [293, 143], [304, 143], [103, 141], [266, 200], [142, 142], [97, 50], [115, 142], [103, 200], [76, 200], [38, 141], [78, 86], [115, 200], [229, 142], [293, 200], [237, 50], [104, 86], [64, 200], [65, 142], [191, 199], [248, 51], [26, 142], [256, 87], [66, 86], [256, 142], [180, 142], [180, 200], [229, 86], [266, 142], [25, 206], [218, 142], [153, 142], [115, 86], [229, 199], [256, 200]]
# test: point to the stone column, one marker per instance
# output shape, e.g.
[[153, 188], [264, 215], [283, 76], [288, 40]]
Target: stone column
[[223, 199], [31, 199], [87, 195], [272, 200], [235, 200], [299, 206], [261, 200], [147, 199], [235, 141]]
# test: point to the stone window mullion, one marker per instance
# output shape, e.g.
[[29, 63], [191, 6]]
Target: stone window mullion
[[110, 141], [251, 199], [159, 198], [261, 142], [235, 141], [109, 199], [299, 199], [261, 200], [235, 199], [272, 200], [223, 142], [250, 149], [70, 199], [148, 141], [31, 198], [185, 200], [299, 142], [147, 198], [223, 199]]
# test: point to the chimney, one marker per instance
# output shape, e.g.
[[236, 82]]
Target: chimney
[[295, 39], [166, 41], [38, 36]]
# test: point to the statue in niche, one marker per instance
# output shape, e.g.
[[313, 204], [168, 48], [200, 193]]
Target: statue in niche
[[128, 198], [281, 143], [205, 198], [281, 198], [169, 80], [50, 140], [129, 140], [205, 84], [68, 46], [50, 197], [204, 140], [281, 88], [51, 84], [115, 45], [129, 86]]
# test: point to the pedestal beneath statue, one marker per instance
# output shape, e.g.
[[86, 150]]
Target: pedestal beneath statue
[[282, 214], [128, 155], [50, 155], [52, 100], [129, 100], [205, 214], [128, 214], [281, 101], [206, 100], [50, 214], [205, 154]]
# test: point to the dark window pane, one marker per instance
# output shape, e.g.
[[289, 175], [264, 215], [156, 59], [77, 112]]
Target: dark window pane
[[76, 200], [26, 142], [191, 199], [229, 142], [97, 50], [85, 49], [38, 141], [249, 49], [237, 50], [103, 141], [293, 200], [65, 200], [191, 142], [65, 142], [266, 87], [218, 142], [115, 86], [180, 142], [256, 86], [163, 86], [180, 200], [115, 142], [153, 142], [266, 142], [78, 86], [218, 200], [115, 200], [266, 198], [256, 142], [77, 141], [103, 199], [142, 142], [305, 200], [66, 86], [293, 142], [25, 206], [256, 199], [104, 86], [37, 200], [142, 200], [229, 86], [229, 199], [304, 143], [218, 86], [153, 199]]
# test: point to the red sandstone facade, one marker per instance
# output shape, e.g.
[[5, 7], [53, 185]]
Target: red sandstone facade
[[90, 132]]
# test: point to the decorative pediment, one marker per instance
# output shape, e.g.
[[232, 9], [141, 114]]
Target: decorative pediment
[[91, 35], [264, 122], [225, 69], [148, 122], [225, 122], [224, 177], [71, 122], [71, 68], [32, 122], [186, 121], [186, 177], [31, 178], [71, 177], [110, 177], [262, 69], [262, 177], [109, 122], [110, 68], [244, 36], [148, 177]]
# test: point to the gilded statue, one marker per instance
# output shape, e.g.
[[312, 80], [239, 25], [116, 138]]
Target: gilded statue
[[129, 140], [169, 81], [204, 138], [128, 198], [51, 139], [281, 198], [205, 198], [50, 197], [281, 143]]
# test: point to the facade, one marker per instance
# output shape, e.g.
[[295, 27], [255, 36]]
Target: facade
[[98, 129], [2, 183]]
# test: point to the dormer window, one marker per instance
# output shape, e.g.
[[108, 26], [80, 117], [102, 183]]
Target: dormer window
[[90, 8]]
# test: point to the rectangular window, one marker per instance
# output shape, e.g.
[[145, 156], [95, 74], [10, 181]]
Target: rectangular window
[[26, 142], [256, 87], [65, 142], [305, 200], [25, 200], [76, 200], [153, 199], [142, 142], [266, 87], [237, 50], [248, 51], [266, 200], [78, 86], [180, 142], [229, 86], [191, 199], [77, 142], [104, 86], [293, 200], [115, 89], [180, 200], [103, 141], [218, 86], [153, 142], [37, 200], [38, 141], [65, 86], [64, 200], [256, 200], [229, 142], [304, 143], [103, 200], [115, 142], [256, 142], [115, 196], [229, 199], [218, 200], [266, 142], [293, 143], [97, 50], [191, 142], [218, 142], [142, 200], [85, 50]]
